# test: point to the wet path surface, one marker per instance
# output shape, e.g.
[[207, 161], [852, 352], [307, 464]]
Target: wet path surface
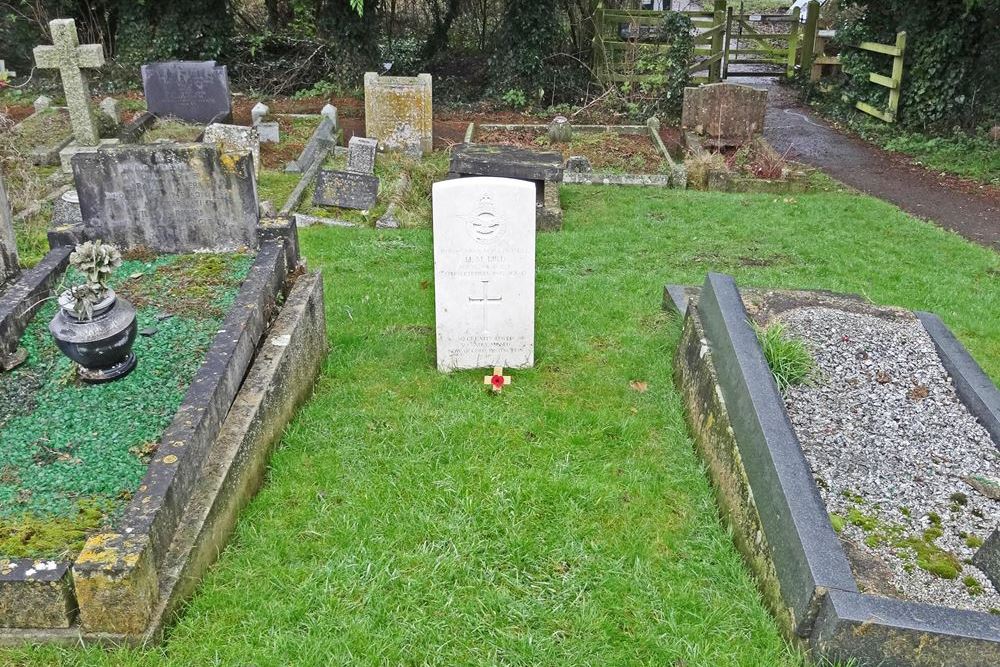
[[963, 208]]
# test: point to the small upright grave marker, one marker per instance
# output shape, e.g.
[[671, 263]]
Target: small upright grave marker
[[235, 139], [727, 114], [399, 112], [361, 155], [6, 74], [9, 266], [197, 92], [167, 198], [484, 273], [70, 57]]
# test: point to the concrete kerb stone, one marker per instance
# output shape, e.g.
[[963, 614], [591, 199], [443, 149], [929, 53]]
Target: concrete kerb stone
[[36, 593], [308, 177], [807, 555], [281, 378], [974, 387], [22, 299], [116, 575]]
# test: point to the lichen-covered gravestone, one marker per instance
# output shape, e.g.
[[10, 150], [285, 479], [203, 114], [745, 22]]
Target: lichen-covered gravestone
[[361, 155], [484, 273], [70, 57], [399, 112], [168, 198], [197, 92], [9, 266], [235, 139], [346, 189], [726, 114]]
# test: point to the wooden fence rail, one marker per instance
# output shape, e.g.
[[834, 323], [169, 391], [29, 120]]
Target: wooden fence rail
[[894, 83]]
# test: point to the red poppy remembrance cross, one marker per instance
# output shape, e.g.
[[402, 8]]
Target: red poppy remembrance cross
[[498, 380]]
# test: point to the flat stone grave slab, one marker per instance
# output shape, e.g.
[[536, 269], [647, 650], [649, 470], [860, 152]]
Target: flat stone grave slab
[[854, 491], [484, 273], [201, 200], [346, 189], [188, 90], [399, 112]]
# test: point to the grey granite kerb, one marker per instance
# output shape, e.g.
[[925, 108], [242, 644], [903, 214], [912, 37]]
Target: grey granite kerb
[[807, 554]]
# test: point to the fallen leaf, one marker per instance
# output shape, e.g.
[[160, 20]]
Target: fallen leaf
[[882, 377], [918, 393], [424, 284], [639, 386]]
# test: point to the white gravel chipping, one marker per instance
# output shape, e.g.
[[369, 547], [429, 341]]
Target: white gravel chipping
[[881, 422]]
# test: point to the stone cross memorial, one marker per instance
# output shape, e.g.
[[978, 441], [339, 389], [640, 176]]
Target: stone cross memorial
[[9, 266], [6, 73], [70, 57], [168, 198], [399, 112], [197, 92], [484, 273]]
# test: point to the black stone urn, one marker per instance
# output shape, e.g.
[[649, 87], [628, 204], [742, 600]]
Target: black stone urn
[[102, 345]]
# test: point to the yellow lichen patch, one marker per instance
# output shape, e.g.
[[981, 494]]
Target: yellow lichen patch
[[98, 550], [229, 162], [169, 458]]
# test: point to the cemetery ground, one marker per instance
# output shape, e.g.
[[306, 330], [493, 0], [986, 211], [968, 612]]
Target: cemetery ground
[[412, 517]]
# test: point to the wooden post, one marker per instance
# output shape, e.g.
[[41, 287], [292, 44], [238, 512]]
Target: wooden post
[[597, 45], [897, 75], [809, 37], [793, 43], [725, 52], [719, 17]]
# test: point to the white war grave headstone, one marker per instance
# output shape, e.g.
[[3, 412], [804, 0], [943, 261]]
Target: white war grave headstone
[[484, 273]]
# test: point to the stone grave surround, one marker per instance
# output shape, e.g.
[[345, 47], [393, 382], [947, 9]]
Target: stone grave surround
[[543, 168], [727, 114], [235, 139], [399, 112], [196, 92], [484, 273], [168, 198], [9, 263]]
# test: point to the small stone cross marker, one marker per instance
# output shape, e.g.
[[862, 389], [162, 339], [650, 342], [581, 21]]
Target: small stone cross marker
[[70, 57], [498, 380], [6, 73]]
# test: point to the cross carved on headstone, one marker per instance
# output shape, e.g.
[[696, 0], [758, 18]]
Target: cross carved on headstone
[[486, 301], [69, 57]]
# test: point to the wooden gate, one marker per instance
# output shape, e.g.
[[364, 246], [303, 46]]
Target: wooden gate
[[766, 43]]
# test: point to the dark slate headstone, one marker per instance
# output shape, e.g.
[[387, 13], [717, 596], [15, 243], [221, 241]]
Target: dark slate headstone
[[987, 558], [168, 198], [193, 91], [346, 189]]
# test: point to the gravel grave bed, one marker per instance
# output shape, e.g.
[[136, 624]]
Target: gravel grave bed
[[892, 448]]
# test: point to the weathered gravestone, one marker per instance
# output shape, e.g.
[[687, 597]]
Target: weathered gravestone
[[193, 91], [346, 189], [484, 273], [399, 112], [987, 558], [361, 155], [168, 198], [727, 114], [235, 139], [9, 266], [543, 168], [70, 58]]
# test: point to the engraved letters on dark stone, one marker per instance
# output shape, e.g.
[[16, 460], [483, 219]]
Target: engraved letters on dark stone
[[346, 189], [197, 92]]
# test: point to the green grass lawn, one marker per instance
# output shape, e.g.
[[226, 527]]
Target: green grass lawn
[[411, 518]]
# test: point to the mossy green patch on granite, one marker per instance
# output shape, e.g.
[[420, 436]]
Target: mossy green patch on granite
[[71, 454]]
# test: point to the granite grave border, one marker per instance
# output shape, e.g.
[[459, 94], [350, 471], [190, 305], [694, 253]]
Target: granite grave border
[[123, 587], [767, 494]]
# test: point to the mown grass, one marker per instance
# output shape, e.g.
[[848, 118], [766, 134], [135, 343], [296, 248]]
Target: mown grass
[[412, 518]]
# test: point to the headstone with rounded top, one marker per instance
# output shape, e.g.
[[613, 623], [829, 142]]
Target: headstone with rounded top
[[259, 112], [41, 103], [109, 107], [484, 273]]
